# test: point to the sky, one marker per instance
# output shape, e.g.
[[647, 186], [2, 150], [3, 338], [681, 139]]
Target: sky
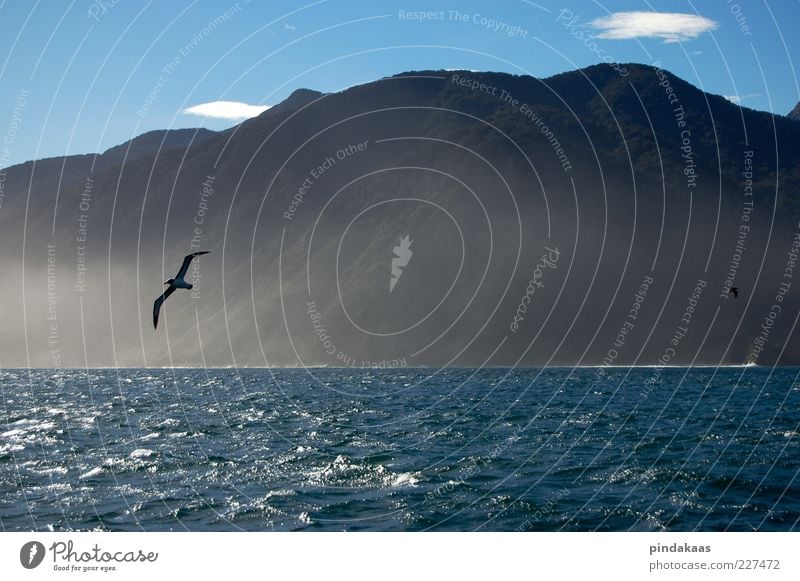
[[82, 76]]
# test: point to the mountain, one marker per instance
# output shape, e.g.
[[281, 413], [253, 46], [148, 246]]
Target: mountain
[[794, 114], [596, 217], [152, 144]]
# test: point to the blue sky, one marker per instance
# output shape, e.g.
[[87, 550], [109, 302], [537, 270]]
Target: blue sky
[[85, 75]]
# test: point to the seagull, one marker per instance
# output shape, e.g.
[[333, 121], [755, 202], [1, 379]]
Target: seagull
[[175, 283], [734, 290]]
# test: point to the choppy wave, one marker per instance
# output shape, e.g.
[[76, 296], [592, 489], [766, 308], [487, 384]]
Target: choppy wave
[[405, 449]]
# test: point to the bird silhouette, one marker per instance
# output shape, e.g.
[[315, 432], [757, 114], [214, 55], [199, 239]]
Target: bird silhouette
[[175, 283], [734, 290]]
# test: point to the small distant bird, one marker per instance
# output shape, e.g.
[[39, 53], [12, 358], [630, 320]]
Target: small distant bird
[[175, 283], [734, 290]]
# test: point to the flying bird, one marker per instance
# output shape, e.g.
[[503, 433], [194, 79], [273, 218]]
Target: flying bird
[[175, 283], [734, 290]]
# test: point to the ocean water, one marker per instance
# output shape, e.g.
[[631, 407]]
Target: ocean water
[[400, 449]]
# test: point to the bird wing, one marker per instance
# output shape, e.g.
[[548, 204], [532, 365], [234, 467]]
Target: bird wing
[[187, 260], [157, 305]]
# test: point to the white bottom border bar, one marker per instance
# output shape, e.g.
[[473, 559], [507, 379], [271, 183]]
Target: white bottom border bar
[[401, 556]]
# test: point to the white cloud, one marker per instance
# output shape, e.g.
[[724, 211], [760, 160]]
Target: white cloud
[[669, 26], [229, 110], [738, 98]]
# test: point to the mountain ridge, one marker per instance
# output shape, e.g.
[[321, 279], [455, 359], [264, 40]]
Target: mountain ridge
[[476, 180]]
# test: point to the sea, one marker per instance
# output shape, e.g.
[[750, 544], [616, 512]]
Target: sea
[[414, 449]]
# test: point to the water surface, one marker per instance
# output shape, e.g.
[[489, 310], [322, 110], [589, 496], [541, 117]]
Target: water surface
[[400, 449]]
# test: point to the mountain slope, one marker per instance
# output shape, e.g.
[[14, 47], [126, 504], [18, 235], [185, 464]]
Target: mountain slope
[[586, 218]]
